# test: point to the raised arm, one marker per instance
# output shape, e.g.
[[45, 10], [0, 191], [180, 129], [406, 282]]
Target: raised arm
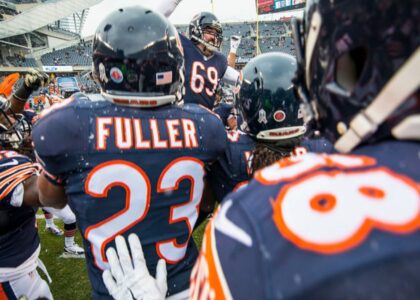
[[235, 41], [167, 7]]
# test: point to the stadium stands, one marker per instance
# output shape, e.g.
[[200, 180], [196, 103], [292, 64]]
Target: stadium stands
[[78, 55], [273, 36], [20, 61]]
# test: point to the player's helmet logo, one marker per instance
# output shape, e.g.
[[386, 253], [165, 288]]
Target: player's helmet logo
[[116, 75], [280, 116]]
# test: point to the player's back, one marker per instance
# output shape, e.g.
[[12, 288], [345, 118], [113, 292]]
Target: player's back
[[18, 234], [133, 170], [320, 227], [202, 74]]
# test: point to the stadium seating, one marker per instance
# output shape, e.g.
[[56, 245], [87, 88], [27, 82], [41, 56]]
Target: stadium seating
[[78, 55], [19, 61], [273, 36]]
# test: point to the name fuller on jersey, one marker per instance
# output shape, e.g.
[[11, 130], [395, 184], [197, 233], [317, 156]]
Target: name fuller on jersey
[[128, 133]]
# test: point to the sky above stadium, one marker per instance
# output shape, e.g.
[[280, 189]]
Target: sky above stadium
[[225, 10]]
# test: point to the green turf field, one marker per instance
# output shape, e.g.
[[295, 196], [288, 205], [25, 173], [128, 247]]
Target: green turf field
[[69, 275]]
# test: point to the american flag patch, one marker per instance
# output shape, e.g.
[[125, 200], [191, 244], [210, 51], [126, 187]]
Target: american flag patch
[[163, 78]]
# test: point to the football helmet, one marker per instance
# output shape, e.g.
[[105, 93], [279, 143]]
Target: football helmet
[[358, 67], [138, 58], [198, 26], [15, 130], [266, 99]]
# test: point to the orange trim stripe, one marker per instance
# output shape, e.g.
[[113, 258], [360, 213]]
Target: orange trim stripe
[[13, 185], [21, 172], [11, 170], [3, 295], [207, 278]]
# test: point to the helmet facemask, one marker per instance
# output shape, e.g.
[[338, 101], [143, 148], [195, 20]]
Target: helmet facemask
[[206, 23], [357, 69], [15, 133]]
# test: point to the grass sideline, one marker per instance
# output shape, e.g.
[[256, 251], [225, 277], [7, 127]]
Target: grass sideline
[[69, 275]]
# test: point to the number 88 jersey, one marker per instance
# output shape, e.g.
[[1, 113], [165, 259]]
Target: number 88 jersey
[[202, 75], [319, 227]]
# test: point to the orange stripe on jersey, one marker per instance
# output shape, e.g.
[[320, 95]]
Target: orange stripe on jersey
[[21, 172], [3, 295], [207, 278], [15, 179], [14, 169], [14, 184]]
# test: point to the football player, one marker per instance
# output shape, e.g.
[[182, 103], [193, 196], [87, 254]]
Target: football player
[[340, 225], [273, 129], [19, 240], [205, 66], [272, 123], [134, 161], [332, 226], [71, 248]]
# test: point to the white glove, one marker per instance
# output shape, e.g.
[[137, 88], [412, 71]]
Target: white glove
[[125, 282], [235, 40]]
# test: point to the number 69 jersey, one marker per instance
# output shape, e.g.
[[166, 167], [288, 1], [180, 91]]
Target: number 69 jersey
[[202, 75], [320, 227], [128, 170]]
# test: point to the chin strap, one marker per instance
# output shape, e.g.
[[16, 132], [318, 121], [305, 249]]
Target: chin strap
[[206, 44], [403, 84]]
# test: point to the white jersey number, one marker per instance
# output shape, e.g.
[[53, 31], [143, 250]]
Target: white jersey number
[[137, 202]]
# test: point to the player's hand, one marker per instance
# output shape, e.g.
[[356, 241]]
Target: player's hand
[[128, 278], [32, 81], [35, 79], [235, 41]]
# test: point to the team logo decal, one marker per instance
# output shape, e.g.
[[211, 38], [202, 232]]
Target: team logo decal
[[102, 73], [279, 116], [262, 117], [116, 75]]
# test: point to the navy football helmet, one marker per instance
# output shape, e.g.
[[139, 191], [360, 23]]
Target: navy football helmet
[[198, 26], [15, 130], [138, 58], [358, 69], [266, 99]]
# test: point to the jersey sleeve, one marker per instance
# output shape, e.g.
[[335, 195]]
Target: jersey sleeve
[[56, 136], [229, 257], [230, 76], [14, 169]]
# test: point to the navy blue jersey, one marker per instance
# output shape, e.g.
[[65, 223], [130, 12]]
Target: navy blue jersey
[[317, 144], [319, 225], [233, 167], [223, 110], [18, 234], [202, 74], [131, 170]]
